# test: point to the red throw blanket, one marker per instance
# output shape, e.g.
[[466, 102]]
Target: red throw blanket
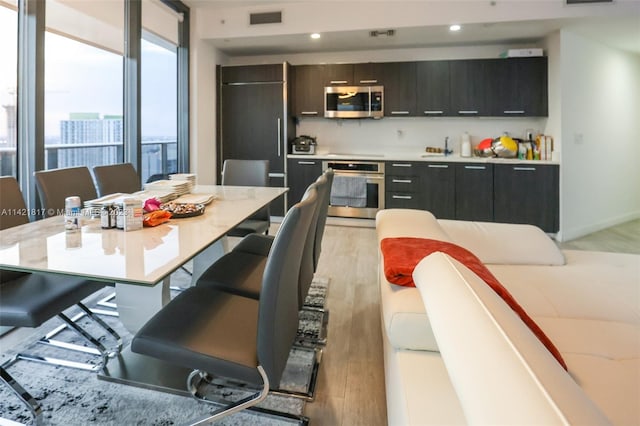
[[402, 254]]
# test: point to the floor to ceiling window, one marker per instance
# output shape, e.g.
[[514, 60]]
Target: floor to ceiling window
[[83, 83], [8, 87], [158, 99]]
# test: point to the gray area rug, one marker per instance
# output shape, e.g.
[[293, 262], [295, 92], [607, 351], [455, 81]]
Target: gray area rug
[[74, 397]]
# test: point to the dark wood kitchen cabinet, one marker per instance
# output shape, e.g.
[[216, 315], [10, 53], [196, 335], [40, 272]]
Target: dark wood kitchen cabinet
[[432, 88], [474, 192], [438, 189], [252, 124], [338, 74], [522, 87], [402, 185], [399, 81], [472, 86], [526, 193], [300, 174], [308, 90]]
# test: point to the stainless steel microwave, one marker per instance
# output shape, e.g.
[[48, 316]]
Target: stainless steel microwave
[[354, 102]]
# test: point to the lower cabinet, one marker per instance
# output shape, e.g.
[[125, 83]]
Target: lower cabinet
[[402, 185], [474, 192], [301, 173], [525, 193], [438, 189]]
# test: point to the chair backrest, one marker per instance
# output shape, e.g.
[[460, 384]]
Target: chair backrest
[[247, 173], [278, 309], [325, 194], [13, 210], [307, 266], [116, 178], [56, 185]]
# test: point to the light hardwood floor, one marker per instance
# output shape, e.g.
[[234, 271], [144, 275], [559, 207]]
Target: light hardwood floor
[[350, 388]]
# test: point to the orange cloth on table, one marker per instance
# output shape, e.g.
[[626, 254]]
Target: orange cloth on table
[[402, 254]]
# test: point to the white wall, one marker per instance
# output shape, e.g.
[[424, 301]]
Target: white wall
[[600, 126], [203, 109]]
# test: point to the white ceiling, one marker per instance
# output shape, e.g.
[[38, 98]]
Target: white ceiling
[[619, 32]]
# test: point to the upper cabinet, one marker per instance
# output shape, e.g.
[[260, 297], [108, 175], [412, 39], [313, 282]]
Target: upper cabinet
[[471, 85], [507, 87], [399, 81], [432, 87], [308, 93], [522, 89]]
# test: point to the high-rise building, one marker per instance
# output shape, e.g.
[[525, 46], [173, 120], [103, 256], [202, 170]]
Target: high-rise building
[[101, 139]]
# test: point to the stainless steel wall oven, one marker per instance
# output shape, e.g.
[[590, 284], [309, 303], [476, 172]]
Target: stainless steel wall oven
[[358, 188]]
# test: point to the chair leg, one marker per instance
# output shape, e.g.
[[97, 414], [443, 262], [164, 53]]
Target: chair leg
[[97, 349], [233, 407], [27, 399]]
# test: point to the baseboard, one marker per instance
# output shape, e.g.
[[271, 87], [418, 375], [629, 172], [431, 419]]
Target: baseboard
[[571, 234]]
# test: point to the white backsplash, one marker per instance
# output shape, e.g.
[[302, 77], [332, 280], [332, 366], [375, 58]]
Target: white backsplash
[[408, 134]]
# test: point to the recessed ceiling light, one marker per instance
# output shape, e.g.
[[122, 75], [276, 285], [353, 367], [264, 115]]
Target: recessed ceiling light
[[455, 27], [315, 36]]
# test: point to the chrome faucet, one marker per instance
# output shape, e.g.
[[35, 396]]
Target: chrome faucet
[[447, 151]]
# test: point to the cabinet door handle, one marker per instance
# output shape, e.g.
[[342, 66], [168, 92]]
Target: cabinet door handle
[[469, 111], [475, 167], [523, 169], [400, 165], [402, 181], [307, 163], [309, 112], [438, 166], [367, 81], [338, 82], [433, 112], [399, 112], [514, 111], [279, 135], [402, 197]]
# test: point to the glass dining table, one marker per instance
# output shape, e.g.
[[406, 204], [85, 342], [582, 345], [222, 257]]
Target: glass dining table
[[139, 262]]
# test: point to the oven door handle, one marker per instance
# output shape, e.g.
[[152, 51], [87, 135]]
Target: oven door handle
[[369, 176]]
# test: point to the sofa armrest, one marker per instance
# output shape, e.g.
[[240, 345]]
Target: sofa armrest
[[501, 372]]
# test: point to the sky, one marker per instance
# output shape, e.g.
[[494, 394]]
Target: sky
[[83, 78]]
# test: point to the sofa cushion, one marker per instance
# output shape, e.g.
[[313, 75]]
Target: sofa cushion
[[501, 372], [404, 318], [504, 243]]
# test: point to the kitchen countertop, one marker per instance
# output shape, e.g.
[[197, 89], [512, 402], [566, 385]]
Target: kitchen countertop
[[415, 156]]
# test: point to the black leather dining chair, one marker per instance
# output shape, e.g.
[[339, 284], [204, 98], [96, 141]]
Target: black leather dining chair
[[248, 173], [217, 333], [114, 178], [57, 184], [28, 300]]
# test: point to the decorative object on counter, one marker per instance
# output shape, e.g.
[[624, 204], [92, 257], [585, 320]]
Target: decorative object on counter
[[483, 149], [72, 215], [151, 204], [156, 218], [304, 144], [465, 145], [505, 146], [179, 210], [434, 150]]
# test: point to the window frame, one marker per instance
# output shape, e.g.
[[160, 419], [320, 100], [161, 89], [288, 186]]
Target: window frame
[[30, 90]]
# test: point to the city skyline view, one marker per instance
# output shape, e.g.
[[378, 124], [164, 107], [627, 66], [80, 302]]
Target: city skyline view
[[84, 78]]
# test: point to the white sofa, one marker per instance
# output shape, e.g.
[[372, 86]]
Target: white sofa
[[455, 353]]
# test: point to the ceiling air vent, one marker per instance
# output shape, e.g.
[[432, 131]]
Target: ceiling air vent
[[588, 1], [382, 33], [265, 18]]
